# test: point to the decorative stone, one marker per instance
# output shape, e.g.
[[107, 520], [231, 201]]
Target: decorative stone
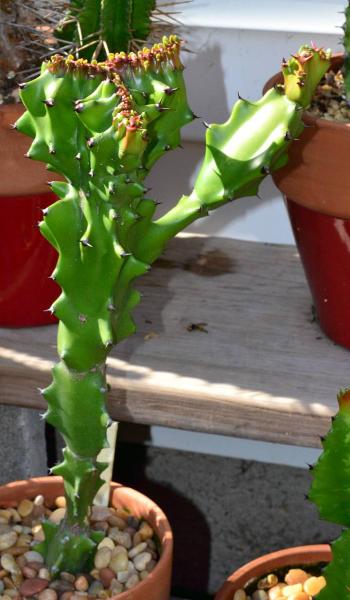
[[81, 583], [47, 594], [141, 561], [106, 543], [57, 515], [314, 585], [106, 576], [240, 595], [102, 558], [119, 562], [296, 576], [60, 502], [100, 513], [32, 555], [121, 537], [146, 531], [7, 540], [132, 581], [30, 587], [137, 549], [25, 508]]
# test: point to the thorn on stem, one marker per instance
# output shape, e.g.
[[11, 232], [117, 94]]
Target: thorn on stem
[[49, 102], [86, 242], [169, 91]]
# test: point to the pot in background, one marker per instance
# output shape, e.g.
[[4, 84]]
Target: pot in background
[[26, 258], [157, 585], [316, 184], [290, 557]]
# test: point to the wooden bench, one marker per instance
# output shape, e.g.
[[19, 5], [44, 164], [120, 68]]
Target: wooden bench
[[226, 344]]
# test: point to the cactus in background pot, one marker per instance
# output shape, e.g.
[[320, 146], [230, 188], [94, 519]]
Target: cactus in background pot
[[330, 491], [95, 27], [103, 125]]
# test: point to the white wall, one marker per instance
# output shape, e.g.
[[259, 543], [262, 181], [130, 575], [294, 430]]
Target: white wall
[[236, 45]]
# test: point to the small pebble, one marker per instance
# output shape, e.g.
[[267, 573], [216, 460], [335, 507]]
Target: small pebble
[[30, 587], [115, 521], [66, 596], [39, 500], [288, 590], [61, 586], [116, 587], [240, 595], [137, 549], [119, 562], [260, 595], [67, 576], [7, 540], [44, 574], [48, 594], [100, 513], [25, 508], [141, 560], [102, 557], [314, 585], [106, 576], [296, 576], [132, 581], [57, 515], [30, 573], [146, 531], [106, 543], [60, 502], [123, 538], [133, 522], [81, 584], [95, 587], [32, 555]]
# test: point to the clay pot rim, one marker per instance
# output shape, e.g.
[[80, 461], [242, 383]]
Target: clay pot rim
[[166, 541], [280, 558], [308, 118]]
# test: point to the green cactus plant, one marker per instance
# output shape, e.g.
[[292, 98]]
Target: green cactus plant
[[330, 491], [103, 125]]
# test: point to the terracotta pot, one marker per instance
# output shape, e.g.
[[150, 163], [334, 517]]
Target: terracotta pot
[[26, 258], [157, 584], [316, 185], [290, 557]]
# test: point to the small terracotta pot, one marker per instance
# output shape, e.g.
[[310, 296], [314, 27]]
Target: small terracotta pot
[[26, 258], [290, 557], [316, 185], [157, 585]]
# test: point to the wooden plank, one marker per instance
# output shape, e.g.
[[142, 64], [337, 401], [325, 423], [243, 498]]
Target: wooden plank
[[261, 370]]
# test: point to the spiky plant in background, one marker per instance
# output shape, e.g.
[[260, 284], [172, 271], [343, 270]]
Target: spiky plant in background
[[97, 26], [103, 126]]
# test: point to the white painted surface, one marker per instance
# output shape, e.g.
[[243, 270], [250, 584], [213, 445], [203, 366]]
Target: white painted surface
[[235, 46], [220, 445]]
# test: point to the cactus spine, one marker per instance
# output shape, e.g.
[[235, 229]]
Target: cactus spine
[[103, 126]]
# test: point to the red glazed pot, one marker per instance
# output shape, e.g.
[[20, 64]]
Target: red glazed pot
[[290, 557], [26, 258], [157, 585], [316, 184]]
